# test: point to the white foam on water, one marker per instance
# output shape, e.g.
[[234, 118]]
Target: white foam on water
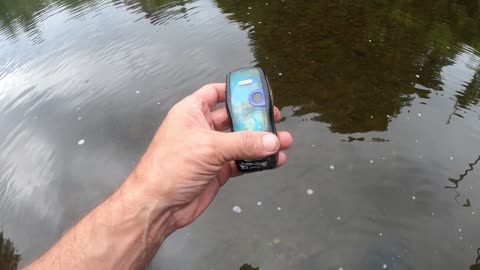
[[237, 209]]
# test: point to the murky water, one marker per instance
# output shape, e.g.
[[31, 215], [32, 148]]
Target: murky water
[[382, 98]]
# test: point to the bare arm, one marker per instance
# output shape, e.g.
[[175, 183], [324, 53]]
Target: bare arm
[[123, 232], [178, 177]]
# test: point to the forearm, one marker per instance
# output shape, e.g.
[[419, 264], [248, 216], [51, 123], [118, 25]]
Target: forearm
[[124, 232]]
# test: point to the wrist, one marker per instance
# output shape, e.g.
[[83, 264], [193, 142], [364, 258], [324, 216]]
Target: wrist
[[138, 194]]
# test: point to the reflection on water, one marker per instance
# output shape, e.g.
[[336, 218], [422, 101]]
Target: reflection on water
[[9, 256], [248, 267], [476, 266], [382, 97], [456, 181], [351, 60]]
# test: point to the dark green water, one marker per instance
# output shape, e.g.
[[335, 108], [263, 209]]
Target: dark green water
[[382, 98]]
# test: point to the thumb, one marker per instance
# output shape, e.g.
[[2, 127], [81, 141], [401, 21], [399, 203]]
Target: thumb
[[246, 145]]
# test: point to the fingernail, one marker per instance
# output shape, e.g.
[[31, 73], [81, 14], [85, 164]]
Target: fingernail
[[270, 142]]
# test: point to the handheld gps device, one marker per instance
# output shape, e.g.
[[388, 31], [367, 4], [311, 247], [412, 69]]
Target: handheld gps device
[[249, 105]]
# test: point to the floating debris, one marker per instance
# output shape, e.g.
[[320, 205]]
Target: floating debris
[[309, 191], [78, 108], [459, 229], [249, 7], [237, 209], [380, 234], [370, 40], [451, 158], [260, 22], [419, 115], [158, 103], [332, 167], [338, 218], [79, 118], [420, 156], [276, 241], [371, 116], [340, 268], [371, 161], [385, 266], [414, 198], [280, 74], [418, 76], [259, 203], [279, 209], [433, 214], [137, 92]]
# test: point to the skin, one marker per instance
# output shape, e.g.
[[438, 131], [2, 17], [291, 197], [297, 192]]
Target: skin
[[189, 159]]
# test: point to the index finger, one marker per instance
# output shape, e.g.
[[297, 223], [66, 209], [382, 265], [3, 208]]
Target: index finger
[[212, 94]]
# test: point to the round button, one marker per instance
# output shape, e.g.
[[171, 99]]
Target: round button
[[257, 98]]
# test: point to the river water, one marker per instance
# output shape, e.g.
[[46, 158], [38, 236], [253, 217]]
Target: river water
[[382, 98]]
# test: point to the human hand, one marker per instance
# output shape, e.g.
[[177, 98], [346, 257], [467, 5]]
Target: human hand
[[190, 156]]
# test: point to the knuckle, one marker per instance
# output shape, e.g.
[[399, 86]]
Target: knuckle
[[249, 143]]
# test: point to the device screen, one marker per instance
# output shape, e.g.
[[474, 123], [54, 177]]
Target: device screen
[[248, 101]]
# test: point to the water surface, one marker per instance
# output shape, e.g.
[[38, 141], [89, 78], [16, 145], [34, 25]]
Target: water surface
[[382, 98]]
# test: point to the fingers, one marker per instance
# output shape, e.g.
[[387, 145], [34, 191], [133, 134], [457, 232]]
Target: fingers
[[246, 145], [286, 140], [220, 119], [212, 94], [222, 122]]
